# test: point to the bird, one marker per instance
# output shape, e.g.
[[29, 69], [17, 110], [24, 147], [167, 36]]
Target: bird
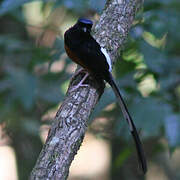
[[84, 50]]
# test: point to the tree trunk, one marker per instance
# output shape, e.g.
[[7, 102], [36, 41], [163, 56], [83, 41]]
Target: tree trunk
[[70, 124]]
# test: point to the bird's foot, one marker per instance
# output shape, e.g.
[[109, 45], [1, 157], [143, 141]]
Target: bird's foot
[[80, 84]]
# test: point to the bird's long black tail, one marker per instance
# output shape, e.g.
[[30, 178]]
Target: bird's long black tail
[[132, 127]]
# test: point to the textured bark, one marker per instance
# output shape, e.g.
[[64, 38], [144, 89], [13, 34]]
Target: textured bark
[[70, 124]]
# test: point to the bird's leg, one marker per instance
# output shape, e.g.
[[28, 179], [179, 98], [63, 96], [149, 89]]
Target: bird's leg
[[80, 84], [80, 70]]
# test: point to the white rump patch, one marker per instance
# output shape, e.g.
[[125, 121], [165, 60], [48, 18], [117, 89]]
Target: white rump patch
[[107, 58]]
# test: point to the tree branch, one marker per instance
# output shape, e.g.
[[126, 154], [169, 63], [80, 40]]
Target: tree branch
[[70, 124]]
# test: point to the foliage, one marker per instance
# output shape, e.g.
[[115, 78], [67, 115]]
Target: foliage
[[148, 74]]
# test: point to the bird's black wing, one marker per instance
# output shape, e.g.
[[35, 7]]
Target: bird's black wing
[[92, 57]]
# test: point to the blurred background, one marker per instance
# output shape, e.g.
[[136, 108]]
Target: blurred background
[[35, 73]]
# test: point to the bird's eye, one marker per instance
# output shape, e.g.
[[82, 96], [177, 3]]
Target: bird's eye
[[84, 29]]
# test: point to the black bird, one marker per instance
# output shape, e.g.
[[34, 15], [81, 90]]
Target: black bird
[[83, 49]]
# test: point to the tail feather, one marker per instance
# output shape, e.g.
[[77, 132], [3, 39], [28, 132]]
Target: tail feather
[[132, 127]]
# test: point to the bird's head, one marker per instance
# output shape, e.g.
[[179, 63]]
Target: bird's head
[[84, 24]]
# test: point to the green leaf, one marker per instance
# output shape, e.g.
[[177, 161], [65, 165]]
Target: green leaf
[[153, 57], [49, 91], [123, 67], [169, 81], [78, 6], [154, 24], [97, 5], [9, 5], [149, 115], [10, 44], [122, 157], [107, 98], [30, 126], [23, 86], [172, 130]]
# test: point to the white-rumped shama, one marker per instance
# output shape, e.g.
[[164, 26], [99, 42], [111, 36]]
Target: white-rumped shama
[[83, 49]]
